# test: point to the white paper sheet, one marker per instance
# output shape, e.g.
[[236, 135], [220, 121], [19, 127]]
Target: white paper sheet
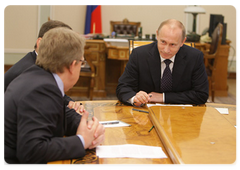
[[223, 110], [130, 151], [114, 123], [158, 104]]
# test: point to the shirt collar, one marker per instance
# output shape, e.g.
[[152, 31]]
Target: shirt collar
[[59, 83], [172, 59]]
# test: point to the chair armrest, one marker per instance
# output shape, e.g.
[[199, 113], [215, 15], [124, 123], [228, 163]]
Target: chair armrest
[[208, 56]]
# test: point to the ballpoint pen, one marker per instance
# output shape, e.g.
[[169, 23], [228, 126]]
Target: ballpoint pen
[[140, 110], [151, 129], [110, 123]]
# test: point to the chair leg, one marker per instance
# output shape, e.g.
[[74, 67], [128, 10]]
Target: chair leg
[[212, 96], [91, 88], [213, 90]]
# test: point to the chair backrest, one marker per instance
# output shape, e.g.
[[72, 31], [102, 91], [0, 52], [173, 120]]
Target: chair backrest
[[191, 44], [125, 27], [137, 43], [89, 67], [216, 38]]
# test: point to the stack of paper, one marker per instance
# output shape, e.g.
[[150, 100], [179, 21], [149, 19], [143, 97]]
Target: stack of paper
[[130, 151], [158, 104]]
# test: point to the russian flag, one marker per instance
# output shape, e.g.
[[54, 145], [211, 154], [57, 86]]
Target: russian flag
[[93, 22]]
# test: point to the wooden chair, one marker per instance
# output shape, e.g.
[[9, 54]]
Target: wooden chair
[[137, 43], [125, 28], [191, 44], [89, 71], [211, 58]]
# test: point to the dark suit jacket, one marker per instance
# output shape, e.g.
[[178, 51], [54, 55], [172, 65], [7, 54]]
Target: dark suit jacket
[[143, 72], [27, 61], [35, 121]]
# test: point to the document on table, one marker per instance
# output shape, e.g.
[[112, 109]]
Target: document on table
[[130, 151], [223, 110], [114, 123], [158, 104]]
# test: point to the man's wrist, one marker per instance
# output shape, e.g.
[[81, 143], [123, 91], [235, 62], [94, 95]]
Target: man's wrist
[[81, 139], [131, 100]]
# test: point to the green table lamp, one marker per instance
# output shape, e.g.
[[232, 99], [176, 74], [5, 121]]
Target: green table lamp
[[194, 10]]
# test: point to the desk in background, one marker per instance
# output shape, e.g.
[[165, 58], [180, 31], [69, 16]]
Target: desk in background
[[195, 147], [119, 51], [111, 56]]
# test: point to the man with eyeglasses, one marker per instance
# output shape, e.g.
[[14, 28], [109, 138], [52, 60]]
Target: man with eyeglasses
[[37, 128], [30, 59]]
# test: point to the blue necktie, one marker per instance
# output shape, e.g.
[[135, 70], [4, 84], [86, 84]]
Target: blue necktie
[[166, 82]]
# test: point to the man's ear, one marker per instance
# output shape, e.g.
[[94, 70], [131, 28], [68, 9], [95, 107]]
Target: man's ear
[[38, 43], [184, 41], [72, 66]]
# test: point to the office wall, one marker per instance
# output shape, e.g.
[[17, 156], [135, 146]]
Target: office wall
[[21, 22]]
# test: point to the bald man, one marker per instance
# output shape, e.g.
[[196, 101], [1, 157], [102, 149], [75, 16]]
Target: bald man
[[142, 80]]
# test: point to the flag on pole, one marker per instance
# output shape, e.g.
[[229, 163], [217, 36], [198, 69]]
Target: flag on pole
[[93, 22]]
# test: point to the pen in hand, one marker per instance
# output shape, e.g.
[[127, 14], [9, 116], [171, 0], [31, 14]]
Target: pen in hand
[[142, 104]]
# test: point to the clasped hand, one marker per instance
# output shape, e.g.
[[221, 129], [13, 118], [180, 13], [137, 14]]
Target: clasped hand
[[91, 131]]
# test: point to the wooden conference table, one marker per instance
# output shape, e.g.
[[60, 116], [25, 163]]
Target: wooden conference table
[[187, 135]]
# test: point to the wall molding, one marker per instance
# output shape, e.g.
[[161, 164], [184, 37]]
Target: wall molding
[[17, 51]]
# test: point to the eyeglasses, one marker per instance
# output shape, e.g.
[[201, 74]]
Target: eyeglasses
[[83, 62]]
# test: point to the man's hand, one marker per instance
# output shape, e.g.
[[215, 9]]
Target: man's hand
[[99, 134], [141, 98], [77, 106], [92, 132], [156, 97]]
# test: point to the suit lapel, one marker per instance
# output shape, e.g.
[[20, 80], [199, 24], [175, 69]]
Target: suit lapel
[[155, 66], [179, 67]]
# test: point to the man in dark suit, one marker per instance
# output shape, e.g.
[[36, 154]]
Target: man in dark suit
[[34, 118], [30, 60], [142, 80]]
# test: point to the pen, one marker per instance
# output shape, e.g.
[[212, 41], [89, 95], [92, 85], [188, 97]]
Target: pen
[[140, 110], [109, 123], [151, 129]]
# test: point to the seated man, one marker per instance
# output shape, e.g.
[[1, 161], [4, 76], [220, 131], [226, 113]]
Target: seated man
[[145, 80], [30, 59], [34, 118]]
